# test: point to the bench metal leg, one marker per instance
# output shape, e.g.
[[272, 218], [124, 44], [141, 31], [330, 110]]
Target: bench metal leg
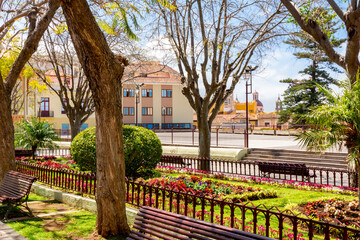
[[27, 207], [8, 211]]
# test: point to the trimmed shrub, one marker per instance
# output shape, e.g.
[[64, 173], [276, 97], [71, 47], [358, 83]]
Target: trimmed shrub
[[142, 150], [83, 150]]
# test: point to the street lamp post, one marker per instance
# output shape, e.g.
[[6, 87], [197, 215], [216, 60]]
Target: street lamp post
[[248, 83], [137, 100], [163, 109]]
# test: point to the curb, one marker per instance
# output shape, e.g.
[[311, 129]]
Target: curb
[[76, 201]]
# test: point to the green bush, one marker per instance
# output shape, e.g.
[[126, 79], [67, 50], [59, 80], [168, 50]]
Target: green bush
[[142, 150], [83, 150]]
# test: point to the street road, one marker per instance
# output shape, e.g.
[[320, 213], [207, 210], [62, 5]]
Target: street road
[[232, 140]]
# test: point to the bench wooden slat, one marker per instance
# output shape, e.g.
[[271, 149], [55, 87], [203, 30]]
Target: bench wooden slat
[[153, 231], [299, 169], [15, 186], [201, 223], [194, 227], [174, 160], [152, 223], [15, 189], [171, 228], [140, 236]]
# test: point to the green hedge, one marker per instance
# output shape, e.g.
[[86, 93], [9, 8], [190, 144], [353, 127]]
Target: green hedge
[[142, 150]]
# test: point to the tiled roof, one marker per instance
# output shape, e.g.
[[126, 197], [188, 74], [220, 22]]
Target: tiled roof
[[229, 118], [153, 72]]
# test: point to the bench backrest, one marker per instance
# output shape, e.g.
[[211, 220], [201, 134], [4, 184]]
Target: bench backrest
[[291, 168], [166, 225], [16, 185], [172, 159], [23, 153]]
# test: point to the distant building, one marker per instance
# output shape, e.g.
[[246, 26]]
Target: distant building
[[161, 103], [151, 91], [236, 113]]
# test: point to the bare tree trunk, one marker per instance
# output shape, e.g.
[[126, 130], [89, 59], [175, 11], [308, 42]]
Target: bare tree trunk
[[75, 127], [204, 142], [33, 150], [7, 148], [104, 73]]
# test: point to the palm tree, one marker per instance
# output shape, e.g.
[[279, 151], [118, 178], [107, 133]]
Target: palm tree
[[337, 123], [35, 133]]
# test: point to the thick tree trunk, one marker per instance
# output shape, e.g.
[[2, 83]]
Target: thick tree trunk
[[33, 150], [75, 127], [104, 73], [204, 143], [7, 148]]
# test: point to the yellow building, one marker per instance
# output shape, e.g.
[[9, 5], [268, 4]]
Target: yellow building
[[157, 102], [232, 112]]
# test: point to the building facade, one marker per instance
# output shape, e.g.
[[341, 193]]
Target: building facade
[[234, 112], [151, 96]]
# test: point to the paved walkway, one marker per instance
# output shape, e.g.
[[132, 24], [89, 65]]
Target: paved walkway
[[7, 233]]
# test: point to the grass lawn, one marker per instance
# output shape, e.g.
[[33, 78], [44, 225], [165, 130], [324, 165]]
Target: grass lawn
[[81, 224], [288, 199], [76, 225]]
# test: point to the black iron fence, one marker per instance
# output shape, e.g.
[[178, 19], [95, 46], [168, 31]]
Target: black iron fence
[[325, 176], [245, 216], [317, 175]]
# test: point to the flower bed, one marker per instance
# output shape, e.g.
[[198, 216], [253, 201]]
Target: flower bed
[[52, 161], [259, 180], [334, 211], [209, 188]]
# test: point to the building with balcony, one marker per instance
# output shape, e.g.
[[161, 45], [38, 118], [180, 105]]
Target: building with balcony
[[152, 98]]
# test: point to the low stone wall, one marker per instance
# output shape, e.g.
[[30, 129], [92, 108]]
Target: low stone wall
[[233, 154], [76, 201]]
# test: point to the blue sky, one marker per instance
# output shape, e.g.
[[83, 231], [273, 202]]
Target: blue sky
[[279, 63]]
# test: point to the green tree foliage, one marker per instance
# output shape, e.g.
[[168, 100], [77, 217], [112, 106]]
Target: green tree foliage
[[142, 150], [303, 94], [335, 123], [34, 134]]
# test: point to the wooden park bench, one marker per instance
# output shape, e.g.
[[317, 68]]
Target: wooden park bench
[[174, 160], [298, 169], [23, 153], [151, 223], [14, 190]]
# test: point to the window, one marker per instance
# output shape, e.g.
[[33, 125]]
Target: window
[[131, 111], [146, 92], [128, 92], [146, 111], [167, 112], [128, 111], [65, 129], [44, 104], [166, 93]]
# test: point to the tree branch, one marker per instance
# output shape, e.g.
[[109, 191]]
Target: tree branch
[[30, 45]]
